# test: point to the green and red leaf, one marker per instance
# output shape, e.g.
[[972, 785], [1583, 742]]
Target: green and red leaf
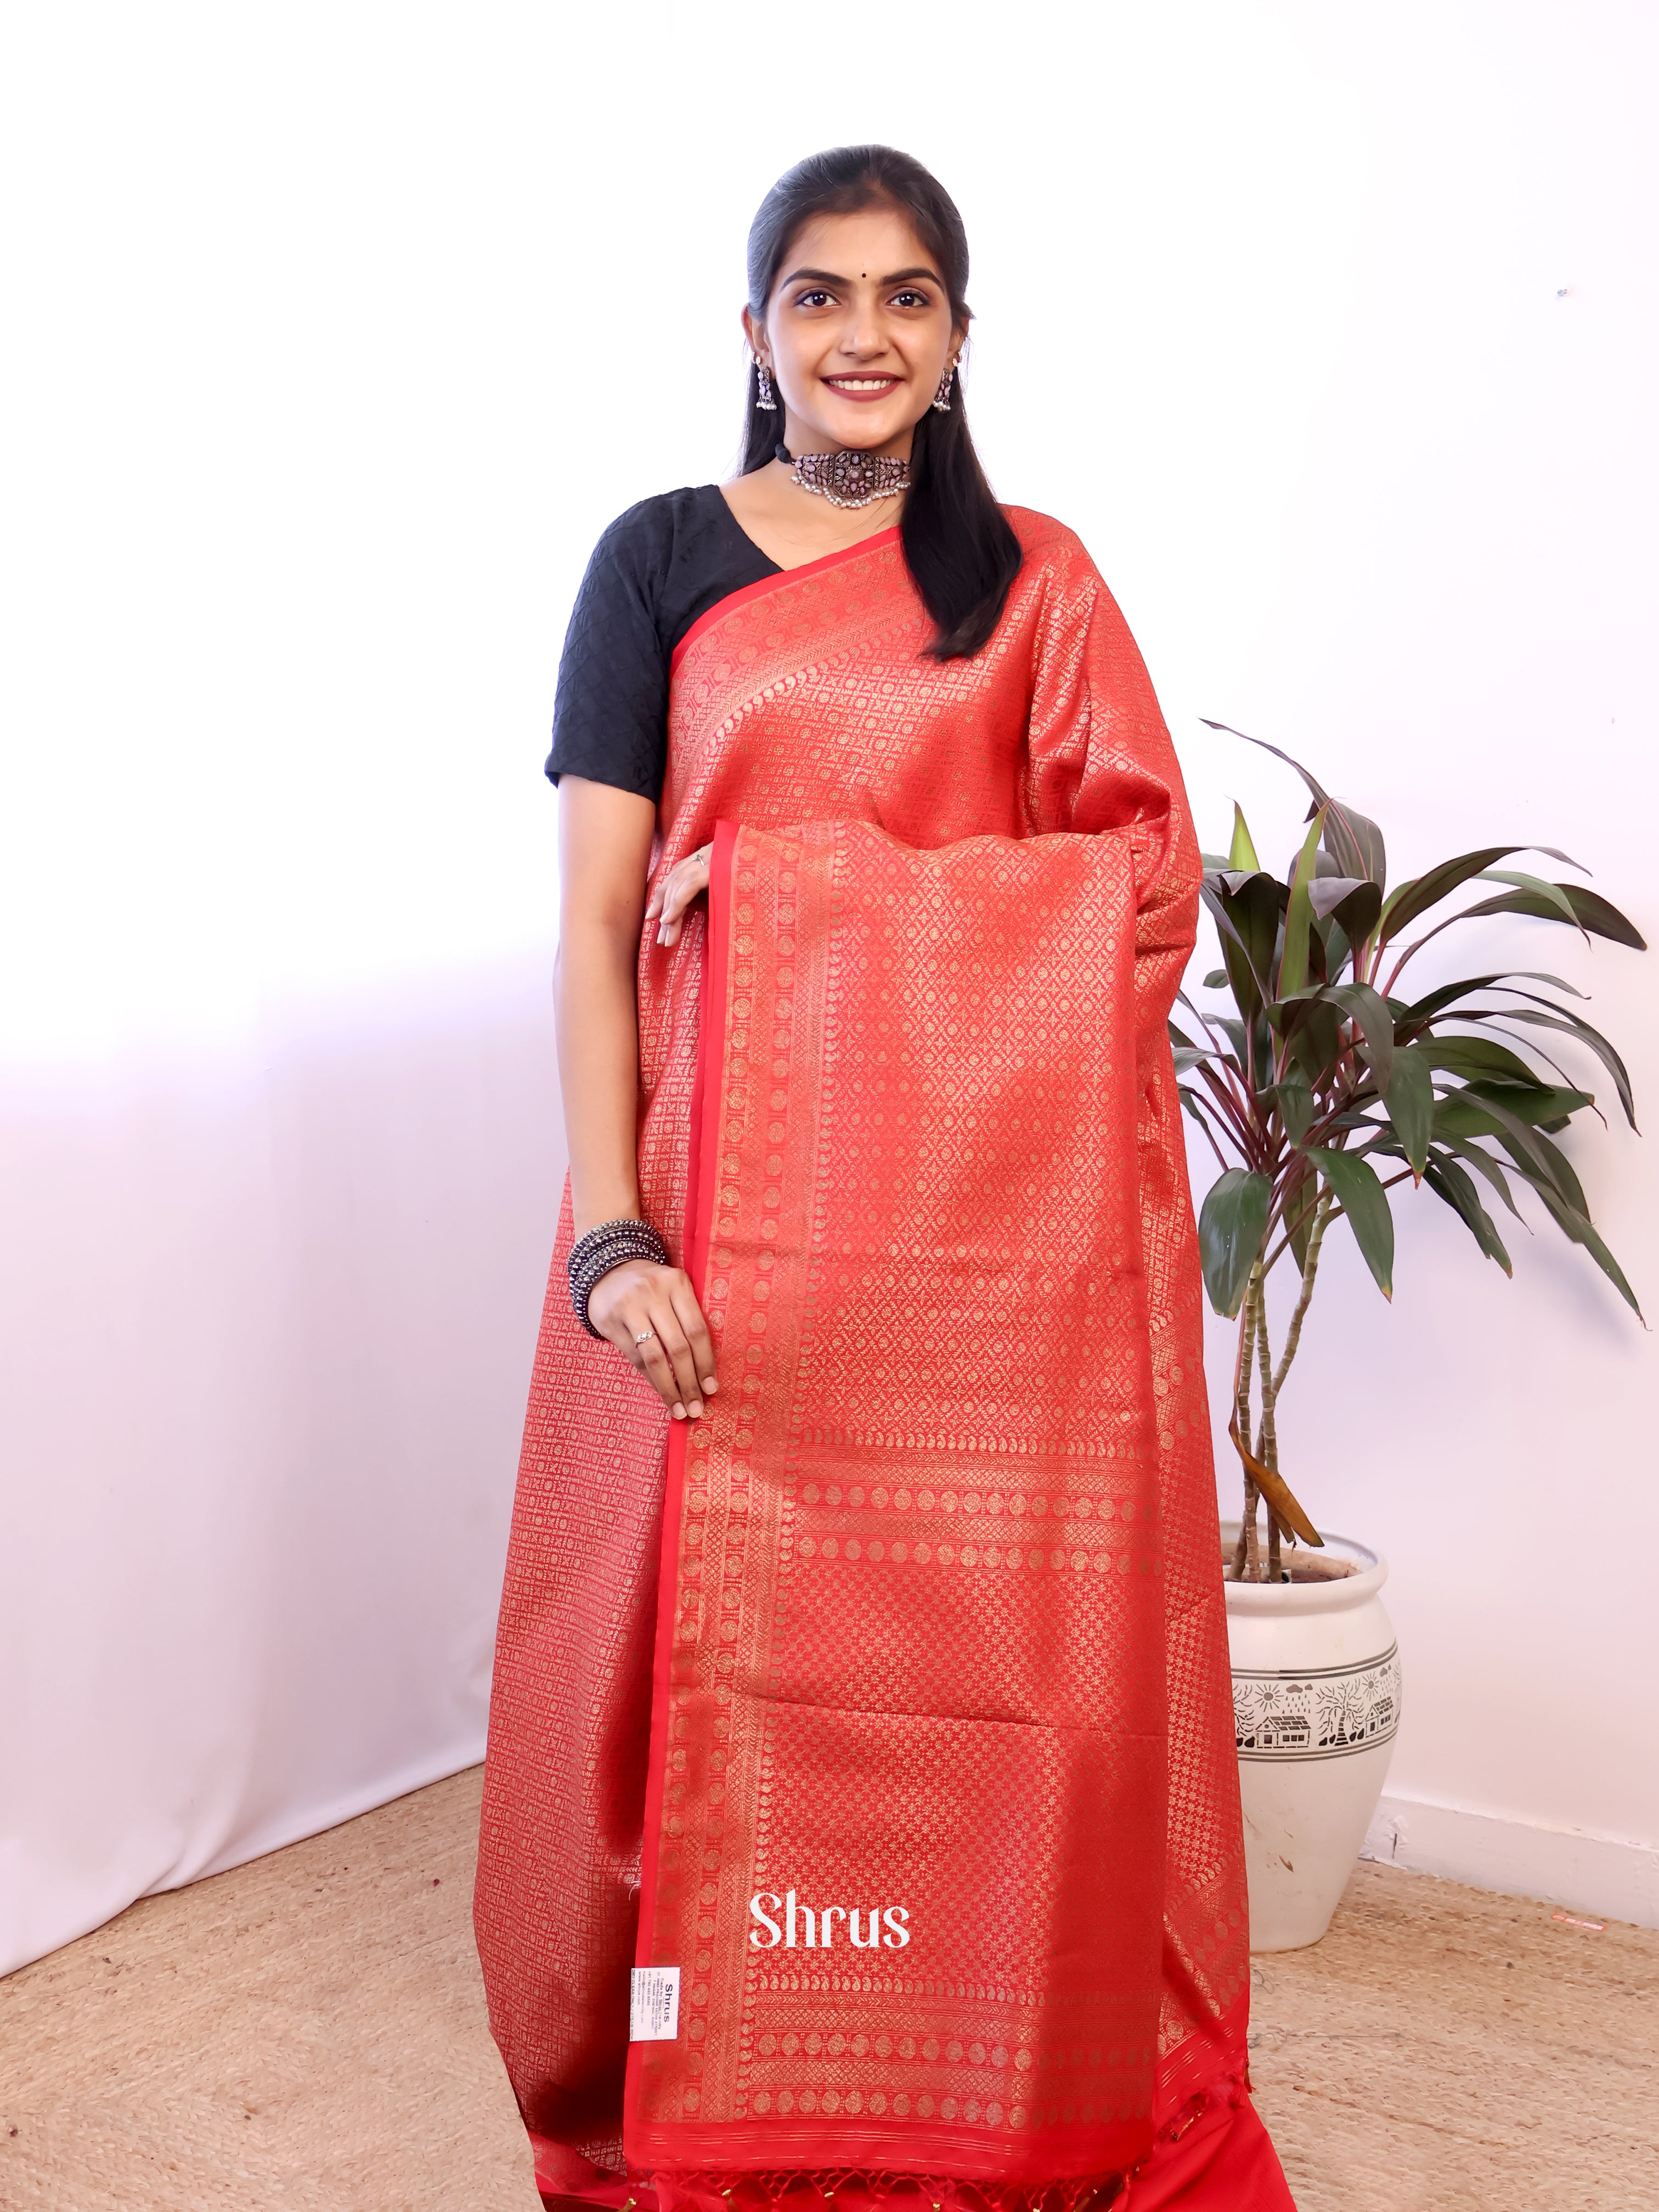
[[1449, 1182], [1230, 1229], [1365, 1202], [1588, 911], [1419, 893], [1293, 967]]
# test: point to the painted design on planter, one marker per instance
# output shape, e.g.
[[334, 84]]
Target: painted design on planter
[[1324, 1712]]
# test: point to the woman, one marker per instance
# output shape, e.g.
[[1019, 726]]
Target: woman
[[893, 1752]]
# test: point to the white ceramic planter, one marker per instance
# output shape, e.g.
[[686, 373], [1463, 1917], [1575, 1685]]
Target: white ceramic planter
[[1315, 1705]]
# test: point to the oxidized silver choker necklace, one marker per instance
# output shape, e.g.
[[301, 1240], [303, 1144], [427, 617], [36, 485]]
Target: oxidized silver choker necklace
[[848, 478]]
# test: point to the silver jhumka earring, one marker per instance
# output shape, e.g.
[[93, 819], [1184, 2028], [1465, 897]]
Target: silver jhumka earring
[[763, 388], [942, 397]]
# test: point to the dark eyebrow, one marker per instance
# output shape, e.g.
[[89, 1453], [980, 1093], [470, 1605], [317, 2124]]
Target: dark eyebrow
[[827, 276]]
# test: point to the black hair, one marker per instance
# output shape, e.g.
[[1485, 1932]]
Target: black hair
[[959, 544]]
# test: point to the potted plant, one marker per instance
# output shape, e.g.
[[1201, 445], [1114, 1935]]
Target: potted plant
[[1325, 1086]]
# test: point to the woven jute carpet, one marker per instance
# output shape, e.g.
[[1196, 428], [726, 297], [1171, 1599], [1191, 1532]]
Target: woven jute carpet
[[307, 2034]]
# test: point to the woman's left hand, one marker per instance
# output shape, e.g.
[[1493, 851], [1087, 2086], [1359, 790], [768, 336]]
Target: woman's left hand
[[686, 880]]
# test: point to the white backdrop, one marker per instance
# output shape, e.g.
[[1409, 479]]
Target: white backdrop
[[339, 333]]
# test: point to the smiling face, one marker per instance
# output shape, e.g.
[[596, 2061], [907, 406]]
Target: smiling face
[[857, 334]]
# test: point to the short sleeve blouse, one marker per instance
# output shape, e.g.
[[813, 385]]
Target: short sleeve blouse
[[657, 569]]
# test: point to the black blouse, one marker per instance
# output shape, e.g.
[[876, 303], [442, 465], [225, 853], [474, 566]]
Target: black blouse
[[655, 571]]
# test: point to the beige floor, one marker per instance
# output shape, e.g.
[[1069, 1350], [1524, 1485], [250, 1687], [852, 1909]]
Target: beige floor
[[307, 2034]]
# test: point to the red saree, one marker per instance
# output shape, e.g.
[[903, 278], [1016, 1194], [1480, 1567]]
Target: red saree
[[903, 1733]]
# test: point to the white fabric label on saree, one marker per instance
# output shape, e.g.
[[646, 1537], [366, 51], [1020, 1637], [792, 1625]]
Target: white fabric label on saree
[[653, 2009]]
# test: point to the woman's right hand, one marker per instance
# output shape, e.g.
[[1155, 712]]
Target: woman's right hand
[[651, 1315], [686, 880]]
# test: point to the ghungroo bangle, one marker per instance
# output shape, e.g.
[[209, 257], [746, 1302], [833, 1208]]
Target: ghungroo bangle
[[610, 1245]]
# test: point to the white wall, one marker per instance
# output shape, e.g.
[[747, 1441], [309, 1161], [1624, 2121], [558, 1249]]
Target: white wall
[[347, 328]]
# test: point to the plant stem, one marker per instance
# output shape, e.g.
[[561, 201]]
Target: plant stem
[[1310, 1268], [1267, 1439], [1221, 1157], [1230, 1107], [1247, 1559], [1272, 1379], [1253, 1304], [1266, 1443], [1221, 1045], [1244, 1561]]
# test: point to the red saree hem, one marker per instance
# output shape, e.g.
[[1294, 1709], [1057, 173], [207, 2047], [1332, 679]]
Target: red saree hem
[[1216, 2157]]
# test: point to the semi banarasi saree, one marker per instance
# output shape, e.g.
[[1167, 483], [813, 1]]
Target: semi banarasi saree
[[884, 1711]]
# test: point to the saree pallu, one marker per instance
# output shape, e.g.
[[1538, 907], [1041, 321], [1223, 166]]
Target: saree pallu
[[888, 1702]]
